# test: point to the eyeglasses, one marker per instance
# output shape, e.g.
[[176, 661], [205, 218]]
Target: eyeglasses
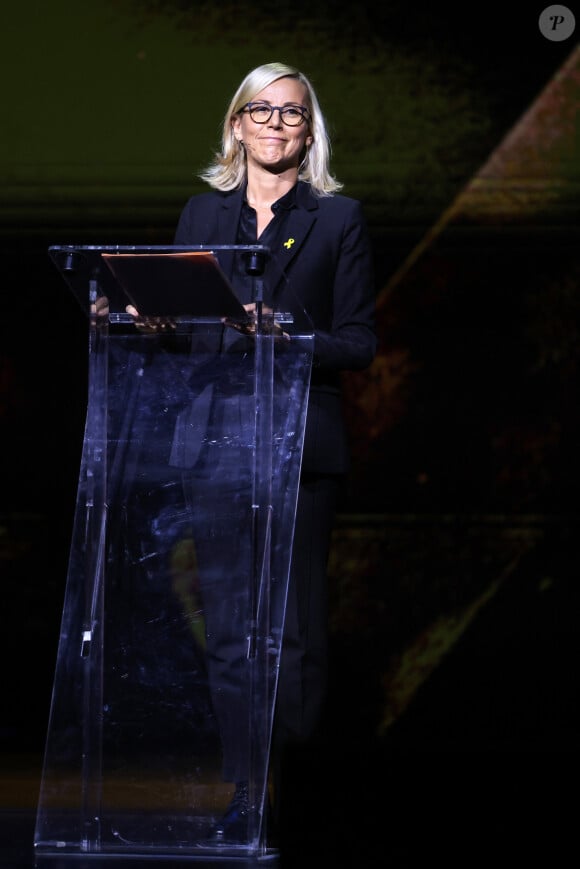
[[292, 116]]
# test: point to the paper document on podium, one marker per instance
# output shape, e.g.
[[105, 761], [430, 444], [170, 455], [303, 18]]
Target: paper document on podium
[[189, 283]]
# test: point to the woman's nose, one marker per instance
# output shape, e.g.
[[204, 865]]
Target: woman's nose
[[276, 121]]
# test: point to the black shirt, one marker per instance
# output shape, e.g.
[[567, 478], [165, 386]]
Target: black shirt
[[272, 237]]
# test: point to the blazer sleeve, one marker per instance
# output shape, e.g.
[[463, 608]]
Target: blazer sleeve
[[351, 341]]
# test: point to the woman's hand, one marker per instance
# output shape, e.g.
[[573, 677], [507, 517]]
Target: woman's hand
[[150, 324], [100, 307], [248, 327]]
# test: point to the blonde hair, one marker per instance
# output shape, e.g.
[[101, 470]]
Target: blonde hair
[[228, 169]]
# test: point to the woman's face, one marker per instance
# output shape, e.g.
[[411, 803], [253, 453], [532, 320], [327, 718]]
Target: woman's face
[[275, 146]]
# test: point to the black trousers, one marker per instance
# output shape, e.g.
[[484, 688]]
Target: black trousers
[[302, 682]]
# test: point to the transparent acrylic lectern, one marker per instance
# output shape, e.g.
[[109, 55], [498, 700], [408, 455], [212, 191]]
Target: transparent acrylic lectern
[[167, 662]]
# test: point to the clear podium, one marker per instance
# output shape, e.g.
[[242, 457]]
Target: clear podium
[[167, 662]]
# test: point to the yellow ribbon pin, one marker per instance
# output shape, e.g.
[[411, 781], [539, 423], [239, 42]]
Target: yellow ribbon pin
[[288, 244]]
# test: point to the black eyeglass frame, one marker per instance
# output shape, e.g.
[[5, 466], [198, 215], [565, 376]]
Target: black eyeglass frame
[[304, 112]]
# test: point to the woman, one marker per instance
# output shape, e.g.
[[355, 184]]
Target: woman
[[271, 185]]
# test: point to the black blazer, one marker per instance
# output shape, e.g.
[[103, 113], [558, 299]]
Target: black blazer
[[329, 268]]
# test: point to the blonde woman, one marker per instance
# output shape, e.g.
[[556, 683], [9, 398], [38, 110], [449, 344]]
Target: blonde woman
[[271, 184]]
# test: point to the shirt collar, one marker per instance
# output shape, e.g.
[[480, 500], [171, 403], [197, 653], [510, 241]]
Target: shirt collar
[[286, 202]]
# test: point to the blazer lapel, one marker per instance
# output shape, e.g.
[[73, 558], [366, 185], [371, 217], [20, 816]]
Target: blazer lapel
[[297, 229], [300, 221], [228, 217]]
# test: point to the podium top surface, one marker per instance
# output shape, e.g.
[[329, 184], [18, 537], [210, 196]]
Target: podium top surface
[[157, 280]]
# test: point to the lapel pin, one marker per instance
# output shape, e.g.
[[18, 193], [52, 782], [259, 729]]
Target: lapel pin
[[288, 244]]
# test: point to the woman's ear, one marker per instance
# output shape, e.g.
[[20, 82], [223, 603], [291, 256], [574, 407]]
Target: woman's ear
[[237, 127]]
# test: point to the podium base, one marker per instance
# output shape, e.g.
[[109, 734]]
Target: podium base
[[205, 860]]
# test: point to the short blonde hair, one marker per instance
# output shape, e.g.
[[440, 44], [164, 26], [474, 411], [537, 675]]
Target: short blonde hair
[[228, 169]]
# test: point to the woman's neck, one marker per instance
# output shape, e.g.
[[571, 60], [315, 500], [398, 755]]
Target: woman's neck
[[265, 189]]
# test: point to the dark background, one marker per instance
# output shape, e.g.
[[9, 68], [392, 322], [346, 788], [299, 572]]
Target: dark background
[[454, 707]]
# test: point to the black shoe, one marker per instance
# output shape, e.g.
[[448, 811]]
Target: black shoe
[[232, 828]]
